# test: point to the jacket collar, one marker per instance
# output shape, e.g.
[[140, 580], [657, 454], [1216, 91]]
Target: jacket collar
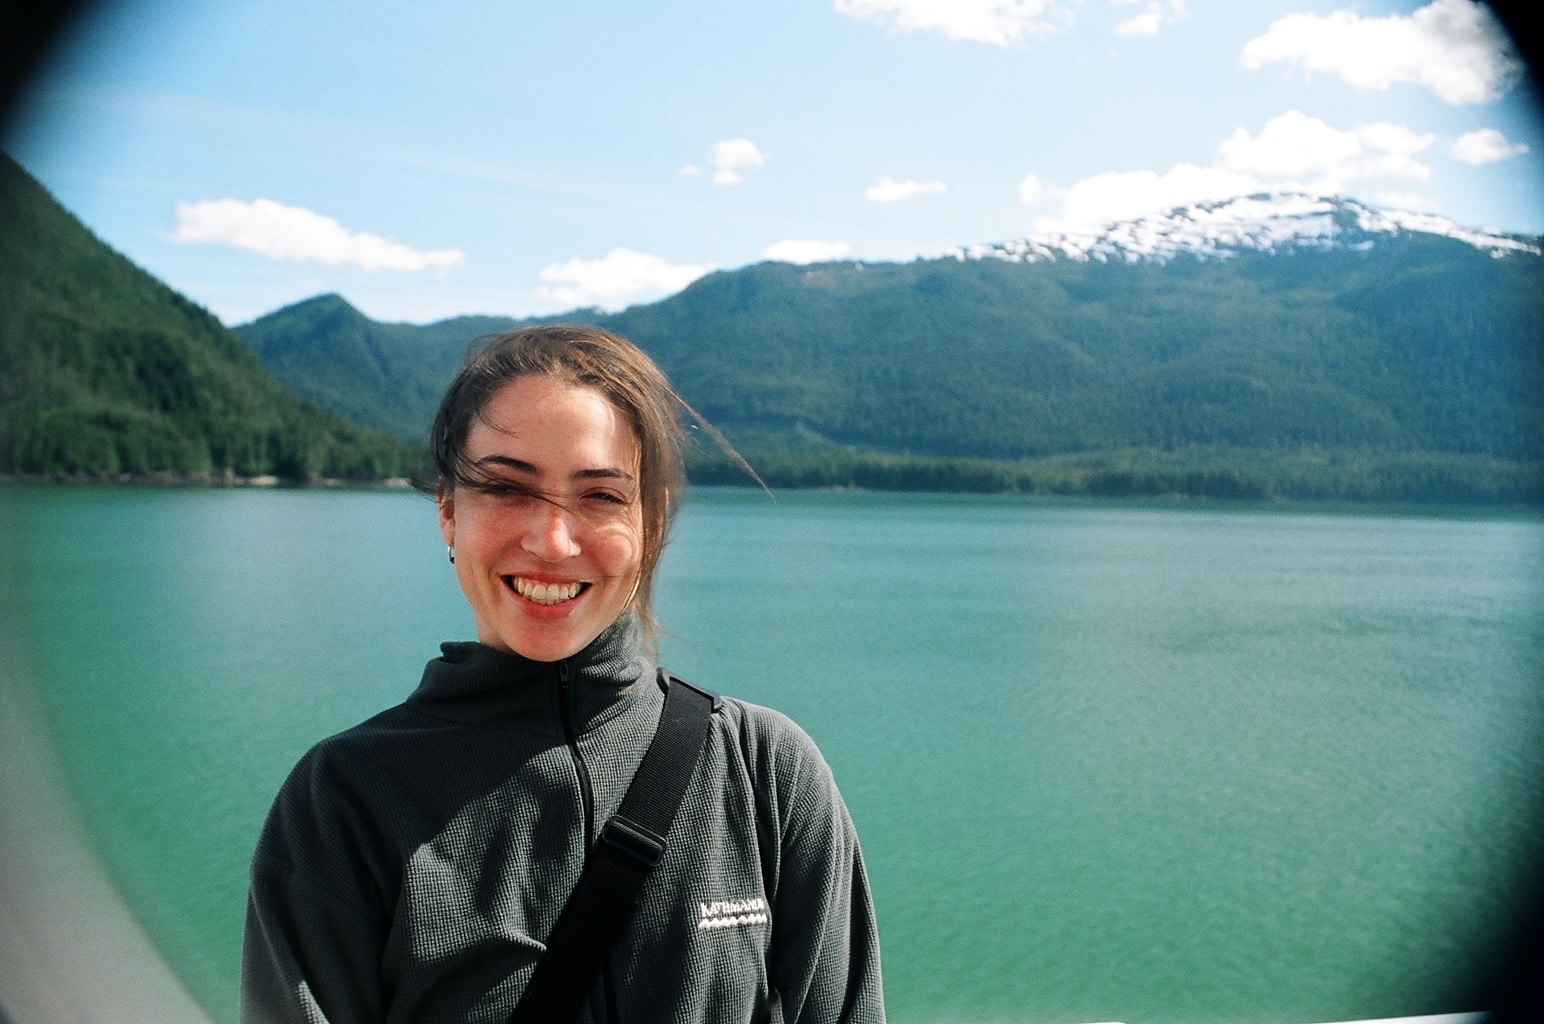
[[474, 684]]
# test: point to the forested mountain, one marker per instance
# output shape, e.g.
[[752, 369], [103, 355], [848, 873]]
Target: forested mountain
[[389, 376], [1279, 344], [106, 371]]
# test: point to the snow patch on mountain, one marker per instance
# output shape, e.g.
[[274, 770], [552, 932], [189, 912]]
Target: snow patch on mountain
[[1269, 222]]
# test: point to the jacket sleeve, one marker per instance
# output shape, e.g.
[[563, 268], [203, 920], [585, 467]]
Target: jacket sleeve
[[311, 952], [825, 950]]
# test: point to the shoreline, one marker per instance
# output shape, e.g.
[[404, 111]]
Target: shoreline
[[168, 479]]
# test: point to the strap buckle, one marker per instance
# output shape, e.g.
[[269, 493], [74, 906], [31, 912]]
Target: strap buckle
[[639, 843]]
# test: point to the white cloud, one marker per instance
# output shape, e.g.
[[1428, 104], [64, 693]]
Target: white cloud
[[1124, 195], [1406, 201], [793, 250], [1156, 15], [294, 234], [1000, 22], [1455, 48], [1485, 146], [689, 170], [889, 190], [1395, 139], [1292, 152], [732, 156], [615, 279], [1307, 153], [1033, 191]]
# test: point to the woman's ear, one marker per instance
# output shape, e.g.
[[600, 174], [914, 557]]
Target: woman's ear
[[447, 517]]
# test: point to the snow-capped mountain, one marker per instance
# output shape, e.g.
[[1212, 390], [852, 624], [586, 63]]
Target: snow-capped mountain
[[1266, 222]]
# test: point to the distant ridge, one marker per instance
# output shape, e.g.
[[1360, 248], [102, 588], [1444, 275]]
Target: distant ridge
[[1264, 222], [1290, 346]]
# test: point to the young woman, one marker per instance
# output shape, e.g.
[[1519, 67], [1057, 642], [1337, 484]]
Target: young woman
[[412, 868]]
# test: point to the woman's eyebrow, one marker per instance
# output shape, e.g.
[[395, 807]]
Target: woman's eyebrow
[[521, 466], [604, 473], [518, 465]]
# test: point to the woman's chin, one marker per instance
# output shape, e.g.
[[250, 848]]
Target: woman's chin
[[544, 638]]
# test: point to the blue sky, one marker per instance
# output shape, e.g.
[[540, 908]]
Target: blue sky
[[519, 158]]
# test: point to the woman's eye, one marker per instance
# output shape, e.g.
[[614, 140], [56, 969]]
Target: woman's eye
[[607, 498], [506, 494]]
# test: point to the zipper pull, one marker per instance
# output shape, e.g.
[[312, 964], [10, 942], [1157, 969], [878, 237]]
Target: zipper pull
[[565, 700]]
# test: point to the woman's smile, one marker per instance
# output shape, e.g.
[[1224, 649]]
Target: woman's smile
[[547, 594]]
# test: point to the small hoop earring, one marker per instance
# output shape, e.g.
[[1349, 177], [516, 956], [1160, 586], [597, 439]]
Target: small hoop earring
[[450, 552]]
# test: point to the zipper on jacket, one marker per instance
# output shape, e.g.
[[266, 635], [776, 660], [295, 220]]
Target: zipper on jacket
[[587, 798], [571, 734]]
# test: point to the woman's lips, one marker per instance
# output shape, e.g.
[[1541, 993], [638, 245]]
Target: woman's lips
[[546, 594]]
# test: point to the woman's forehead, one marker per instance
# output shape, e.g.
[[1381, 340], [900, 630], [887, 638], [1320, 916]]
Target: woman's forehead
[[553, 425]]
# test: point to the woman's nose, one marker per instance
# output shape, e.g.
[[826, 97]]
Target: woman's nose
[[551, 535]]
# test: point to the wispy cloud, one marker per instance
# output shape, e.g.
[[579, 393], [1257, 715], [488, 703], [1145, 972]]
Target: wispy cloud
[[1156, 15], [1455, 48], [892, 190], [1124, 195], [617, 279], [294, 234], [1033, 190], [999, 22], [1406, 201], [729, 158], [1311, 154], [793, 250], [1290, 152], [1485, 146]]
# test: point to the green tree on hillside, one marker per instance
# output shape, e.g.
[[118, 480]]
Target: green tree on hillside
[[104, 370]]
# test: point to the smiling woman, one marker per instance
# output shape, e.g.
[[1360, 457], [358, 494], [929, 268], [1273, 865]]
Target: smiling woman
[[548, 543], [422, 866], [573, 417]]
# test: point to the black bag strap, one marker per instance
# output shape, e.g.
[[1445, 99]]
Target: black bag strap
[[630, 846]]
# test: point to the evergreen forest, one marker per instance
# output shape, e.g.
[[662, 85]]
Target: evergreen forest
[[107, 373]]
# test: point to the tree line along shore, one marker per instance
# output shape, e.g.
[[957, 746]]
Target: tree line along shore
[[1312, 477]]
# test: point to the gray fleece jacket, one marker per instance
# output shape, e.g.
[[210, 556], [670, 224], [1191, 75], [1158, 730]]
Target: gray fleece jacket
[[412, 866]]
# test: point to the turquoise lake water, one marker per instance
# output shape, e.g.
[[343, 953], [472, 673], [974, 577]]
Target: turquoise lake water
[[1147, 763]]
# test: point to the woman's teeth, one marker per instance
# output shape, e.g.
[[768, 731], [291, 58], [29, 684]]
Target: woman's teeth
[[546, 593]]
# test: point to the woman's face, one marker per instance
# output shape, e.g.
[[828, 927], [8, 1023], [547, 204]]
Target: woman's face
[[549, 555]]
